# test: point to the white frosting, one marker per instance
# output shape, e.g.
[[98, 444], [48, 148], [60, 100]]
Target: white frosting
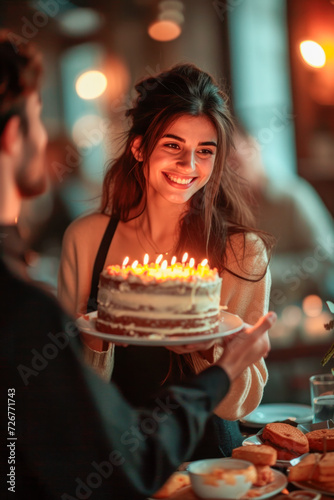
[[158, 302], [131, 329], [154, 314]]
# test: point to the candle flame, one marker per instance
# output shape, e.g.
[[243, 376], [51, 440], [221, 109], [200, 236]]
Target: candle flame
[[184, 258], [125, 261], [204, 262], [159, 259], [162, 271]]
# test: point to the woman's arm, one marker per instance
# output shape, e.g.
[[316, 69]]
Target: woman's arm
[[249, 300], [80, 245]]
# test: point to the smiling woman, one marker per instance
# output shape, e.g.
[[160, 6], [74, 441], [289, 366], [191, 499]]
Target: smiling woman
[[172, 191]]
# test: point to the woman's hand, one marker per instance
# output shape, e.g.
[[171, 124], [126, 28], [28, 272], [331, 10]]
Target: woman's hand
[[246, 347]]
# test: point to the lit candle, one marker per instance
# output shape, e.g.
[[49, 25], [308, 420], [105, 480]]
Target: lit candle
[[184, 258], [125, 261], [204, 262], [192, 262], [146, 259], [173, 261], [134, 264], [159, 259], [164, 265]]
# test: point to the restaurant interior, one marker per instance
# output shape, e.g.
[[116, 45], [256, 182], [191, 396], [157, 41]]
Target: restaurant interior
[[275, 60]]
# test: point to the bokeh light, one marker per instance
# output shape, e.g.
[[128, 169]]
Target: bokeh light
[[88, 131], [314, 328], [291, 315], [313, 54], [91, 85], [312, 306], [164, 30]]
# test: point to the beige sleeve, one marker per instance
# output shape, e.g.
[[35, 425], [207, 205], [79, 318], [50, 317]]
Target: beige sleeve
[[249, 300], [74, 281]]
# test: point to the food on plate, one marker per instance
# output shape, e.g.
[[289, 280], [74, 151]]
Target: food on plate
[[265, 475], [141, 300], [262, 456], [315, 467], [229, 475], [289, 441], [305, 468], [257, 454], [319, 437], [225, 478], [174, 483]]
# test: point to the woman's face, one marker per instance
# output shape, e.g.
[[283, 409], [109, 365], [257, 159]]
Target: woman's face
[[183, 159]]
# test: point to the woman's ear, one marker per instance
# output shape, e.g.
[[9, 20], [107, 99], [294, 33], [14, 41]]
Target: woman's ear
[[135, 148]]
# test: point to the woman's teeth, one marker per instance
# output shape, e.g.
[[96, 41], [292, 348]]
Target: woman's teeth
[[178, 180]]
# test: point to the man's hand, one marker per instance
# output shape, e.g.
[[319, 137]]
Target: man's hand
[[247, 346]]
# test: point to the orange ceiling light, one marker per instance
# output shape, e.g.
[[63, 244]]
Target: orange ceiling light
[[313, 53], [168, 24]]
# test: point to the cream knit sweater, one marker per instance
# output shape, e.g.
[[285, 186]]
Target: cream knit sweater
[[247, 299]]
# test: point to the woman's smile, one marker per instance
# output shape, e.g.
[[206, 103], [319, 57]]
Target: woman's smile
[[179, 180]]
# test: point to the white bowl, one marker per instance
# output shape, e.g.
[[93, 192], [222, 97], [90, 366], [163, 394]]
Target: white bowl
[[234, 478]]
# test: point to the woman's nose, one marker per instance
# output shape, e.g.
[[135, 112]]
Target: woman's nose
[[187, 160]]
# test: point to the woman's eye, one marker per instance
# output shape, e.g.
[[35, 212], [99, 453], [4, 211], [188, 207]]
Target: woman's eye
[[205, 152], [172, 145]]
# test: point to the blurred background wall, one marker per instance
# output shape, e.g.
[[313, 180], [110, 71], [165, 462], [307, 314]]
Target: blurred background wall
[[280, 88]]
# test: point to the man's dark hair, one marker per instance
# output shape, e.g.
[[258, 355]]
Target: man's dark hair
[[20, 74]]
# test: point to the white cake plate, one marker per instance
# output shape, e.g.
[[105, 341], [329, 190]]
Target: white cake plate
[[228, 324]]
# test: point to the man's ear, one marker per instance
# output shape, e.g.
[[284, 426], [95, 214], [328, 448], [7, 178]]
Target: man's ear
[[11, 137], [135, 148]]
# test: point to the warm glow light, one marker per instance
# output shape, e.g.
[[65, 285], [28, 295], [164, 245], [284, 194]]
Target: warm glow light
[[291, 315], [85, 128], [159, 259], [146, 259], [173, 260], [314, 327], [125, 261], [91, 84], [313, 54], [204, 262], [164, 30], [163, 271], [312, 306], [184, 258]]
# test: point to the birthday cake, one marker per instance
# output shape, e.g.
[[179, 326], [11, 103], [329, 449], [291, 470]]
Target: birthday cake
[[159, 300]]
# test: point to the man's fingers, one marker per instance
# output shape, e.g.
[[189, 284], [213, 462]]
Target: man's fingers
[[264, 324]]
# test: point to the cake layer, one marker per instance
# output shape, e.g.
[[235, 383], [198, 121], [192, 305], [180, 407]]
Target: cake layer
[[157, 329], [175, 297]]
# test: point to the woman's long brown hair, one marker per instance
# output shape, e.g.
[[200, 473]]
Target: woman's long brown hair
[[219, 209]]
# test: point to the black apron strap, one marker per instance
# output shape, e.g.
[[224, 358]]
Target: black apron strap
[[99, 262]]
